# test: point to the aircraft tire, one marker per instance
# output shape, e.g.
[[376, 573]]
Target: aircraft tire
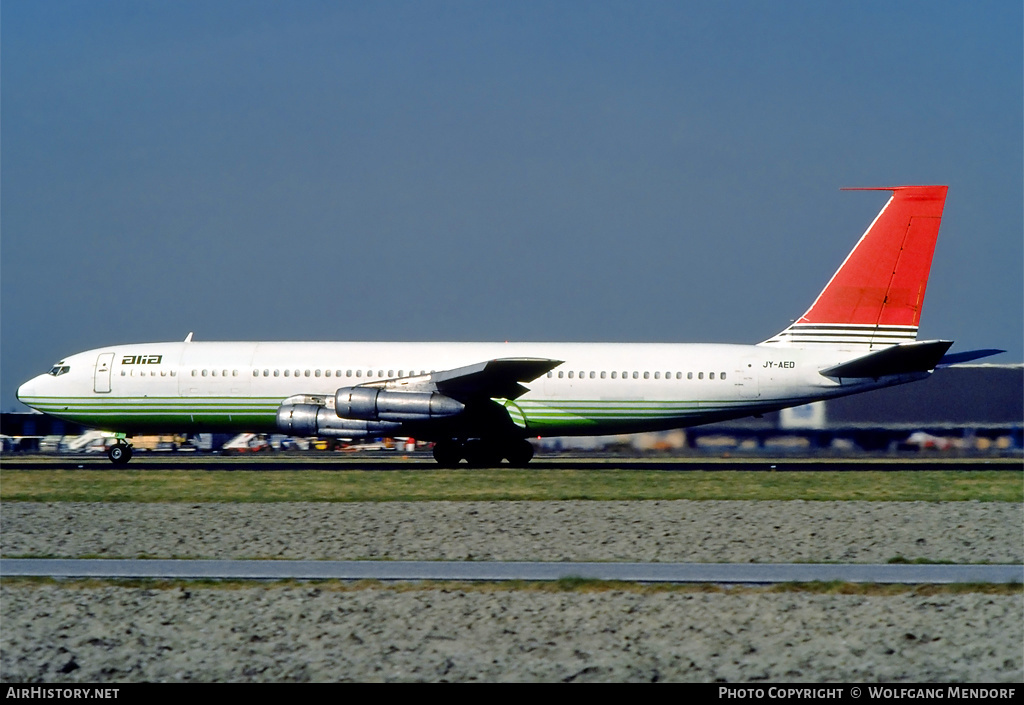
[[519, 453], [482, 454], [120, 454], [448, 454]]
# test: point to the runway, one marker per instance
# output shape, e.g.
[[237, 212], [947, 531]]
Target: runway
[[383, 461], [719, 573]]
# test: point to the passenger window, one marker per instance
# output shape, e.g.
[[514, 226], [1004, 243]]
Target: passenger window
[[657, 375], [317, 373], [551, 374], [287, 373], [602, 374], [614, 375], [721, 376], [711, 376], [689, 375], [560, 374], [679, 375], [700, 375], [647, 375], [636, 375], [277, 373], [391, 373], [359, 373], [570, 374]]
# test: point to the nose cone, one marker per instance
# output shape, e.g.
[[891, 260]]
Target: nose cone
[[27, 391]]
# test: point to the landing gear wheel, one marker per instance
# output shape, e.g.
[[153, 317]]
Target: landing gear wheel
[[120, 453], [448, 453], [519, 453], [481, 454]]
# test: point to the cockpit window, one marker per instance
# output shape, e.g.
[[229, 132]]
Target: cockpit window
[[59, 369]]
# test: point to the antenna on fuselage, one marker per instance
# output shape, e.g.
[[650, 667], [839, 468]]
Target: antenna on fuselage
[[188, 338]]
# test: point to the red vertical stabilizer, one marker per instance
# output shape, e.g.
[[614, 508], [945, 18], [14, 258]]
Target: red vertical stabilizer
[[876, 296]]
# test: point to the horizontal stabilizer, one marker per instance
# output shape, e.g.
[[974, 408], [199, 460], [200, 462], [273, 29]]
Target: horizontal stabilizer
[[967, 356], [896, 360]]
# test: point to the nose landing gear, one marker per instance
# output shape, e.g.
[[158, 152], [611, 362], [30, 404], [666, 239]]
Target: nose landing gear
[[120, 453]]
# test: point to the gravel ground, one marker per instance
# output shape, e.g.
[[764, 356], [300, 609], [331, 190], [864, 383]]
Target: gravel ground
[[667, 531], [321, 632]]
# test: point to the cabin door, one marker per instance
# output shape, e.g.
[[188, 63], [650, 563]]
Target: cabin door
[[101, 382], [747, 379]]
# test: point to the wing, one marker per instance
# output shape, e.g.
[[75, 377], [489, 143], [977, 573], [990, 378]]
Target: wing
[[501, 378]]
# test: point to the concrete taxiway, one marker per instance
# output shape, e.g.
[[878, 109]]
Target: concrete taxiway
[[724, 573]]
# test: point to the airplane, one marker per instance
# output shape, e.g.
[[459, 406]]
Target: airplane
[[480, 402]]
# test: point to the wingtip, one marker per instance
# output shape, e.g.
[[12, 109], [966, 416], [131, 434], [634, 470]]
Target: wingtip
[[905, 187], [967, 356]]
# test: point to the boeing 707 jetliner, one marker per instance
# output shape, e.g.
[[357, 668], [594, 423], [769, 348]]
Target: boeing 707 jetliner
[[479, 402]]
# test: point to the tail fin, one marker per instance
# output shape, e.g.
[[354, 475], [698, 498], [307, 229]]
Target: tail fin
[[874, 300]]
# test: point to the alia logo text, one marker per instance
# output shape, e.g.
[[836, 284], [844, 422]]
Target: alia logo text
[[141, 359]]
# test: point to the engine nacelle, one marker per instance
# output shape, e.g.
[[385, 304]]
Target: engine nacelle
[[374, 404], [313, 420]]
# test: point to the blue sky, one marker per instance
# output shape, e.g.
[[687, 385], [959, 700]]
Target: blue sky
[[613, 171]]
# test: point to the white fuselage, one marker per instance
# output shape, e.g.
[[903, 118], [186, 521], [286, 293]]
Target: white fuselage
[[599, 388]]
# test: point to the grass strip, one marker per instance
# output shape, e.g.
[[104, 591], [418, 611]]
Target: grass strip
[[504, 485]]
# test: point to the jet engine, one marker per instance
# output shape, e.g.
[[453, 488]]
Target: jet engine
[[361, 411], [372, 404], [313, 420]]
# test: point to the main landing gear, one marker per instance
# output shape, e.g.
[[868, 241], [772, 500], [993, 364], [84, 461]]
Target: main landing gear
[[483, 453], [120, 453]]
